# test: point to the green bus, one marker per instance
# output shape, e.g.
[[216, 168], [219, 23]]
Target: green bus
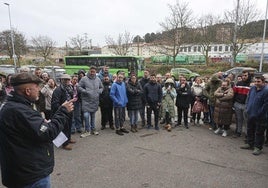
[[128, 64]]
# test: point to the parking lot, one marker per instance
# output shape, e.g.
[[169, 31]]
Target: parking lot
[[193, 157]]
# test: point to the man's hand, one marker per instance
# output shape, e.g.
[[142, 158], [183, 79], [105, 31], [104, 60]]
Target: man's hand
[[69, 105]]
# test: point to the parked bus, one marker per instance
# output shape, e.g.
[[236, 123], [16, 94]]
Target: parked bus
[[128, 64]]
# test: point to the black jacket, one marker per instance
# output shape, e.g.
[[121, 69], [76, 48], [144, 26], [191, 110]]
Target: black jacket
[[153, 93], [26, 150], [105, 100], [183, 96], [134, 95]]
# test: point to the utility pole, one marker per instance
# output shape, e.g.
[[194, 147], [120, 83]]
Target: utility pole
[[234, 53]]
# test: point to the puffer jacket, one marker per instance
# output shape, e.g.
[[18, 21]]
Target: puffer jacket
[[223, 107], [90, 89], [134, 95]]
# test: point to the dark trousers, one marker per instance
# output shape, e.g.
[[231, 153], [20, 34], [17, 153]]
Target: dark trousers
[[142, 112], [183, 110], [152, 108], [119, 117], [255, 132], [106, 116], [211, 116], [225, 127], [196, 116], [67, 131]]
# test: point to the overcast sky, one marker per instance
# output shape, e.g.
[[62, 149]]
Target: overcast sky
[[62, 19]]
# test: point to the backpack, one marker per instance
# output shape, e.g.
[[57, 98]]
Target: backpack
[[197, 107]]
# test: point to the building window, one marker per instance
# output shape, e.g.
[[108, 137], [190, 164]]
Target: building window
[[199, 48], [215, 48], [226, 48], [194, 48], [189, 49], [220, 48]]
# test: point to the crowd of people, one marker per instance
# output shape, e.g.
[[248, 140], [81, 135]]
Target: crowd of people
[[71, 107]]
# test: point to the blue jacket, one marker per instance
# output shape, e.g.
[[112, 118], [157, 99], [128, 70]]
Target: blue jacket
[[118, 94], [257, 103]]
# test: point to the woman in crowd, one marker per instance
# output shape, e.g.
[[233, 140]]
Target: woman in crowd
[[197, 92], [47, 91], [134, 94], [223, 108]]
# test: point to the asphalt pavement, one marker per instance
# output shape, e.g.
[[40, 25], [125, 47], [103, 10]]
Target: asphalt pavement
[[182, 158], [186, 158]]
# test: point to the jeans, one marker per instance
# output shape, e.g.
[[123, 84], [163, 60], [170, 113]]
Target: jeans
[[255, 132], [89, 120], [240, 114], [42, 183], [76, 121], [211, 116], [119, 115], [133, 116]]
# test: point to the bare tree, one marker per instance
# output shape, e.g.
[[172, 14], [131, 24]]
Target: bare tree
[[175, 28], [43, 46], [80, 42], [243, 13], [121, 45], [206, 33], [20, 44]]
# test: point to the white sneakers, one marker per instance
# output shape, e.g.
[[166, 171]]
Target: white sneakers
[[85, 134], [224, 134], [220, 131]]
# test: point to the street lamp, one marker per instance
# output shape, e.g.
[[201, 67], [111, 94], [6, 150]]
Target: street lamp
[[12, 38], [263, 38]]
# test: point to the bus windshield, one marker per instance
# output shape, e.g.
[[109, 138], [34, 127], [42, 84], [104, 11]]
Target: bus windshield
[[128, 64]]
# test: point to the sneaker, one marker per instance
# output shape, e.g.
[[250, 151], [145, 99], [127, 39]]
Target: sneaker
[[124, 130], [224, 134], [102, 127], [119, 132], [85, 134], [156, 128], [149, 126], [246, 146], [256, 151], [218, 131], [112, 127], [94, 132]]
